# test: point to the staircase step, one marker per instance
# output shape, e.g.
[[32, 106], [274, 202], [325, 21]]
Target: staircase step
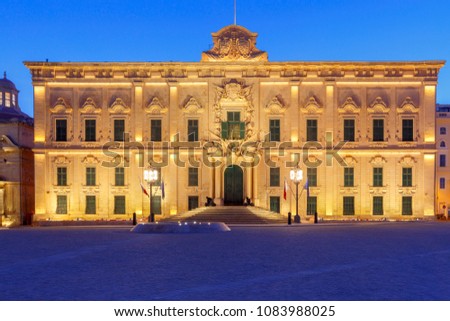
[[230, 215]]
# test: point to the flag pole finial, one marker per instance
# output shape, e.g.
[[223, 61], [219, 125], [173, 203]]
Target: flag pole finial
[[235, 12]]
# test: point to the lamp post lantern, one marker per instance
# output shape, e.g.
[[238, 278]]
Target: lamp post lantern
[[150, 176], [296, 176]]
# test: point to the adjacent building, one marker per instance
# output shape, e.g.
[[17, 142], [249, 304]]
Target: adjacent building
[[231, 127], [16, 159], [443, 166]]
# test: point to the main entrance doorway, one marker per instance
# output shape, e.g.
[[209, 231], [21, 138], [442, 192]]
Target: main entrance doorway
[[234, 185]]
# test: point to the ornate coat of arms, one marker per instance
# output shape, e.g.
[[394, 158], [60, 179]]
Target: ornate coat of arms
[[234, 43]]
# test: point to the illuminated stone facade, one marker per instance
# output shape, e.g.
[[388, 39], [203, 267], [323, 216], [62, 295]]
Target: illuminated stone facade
[[226, 105]]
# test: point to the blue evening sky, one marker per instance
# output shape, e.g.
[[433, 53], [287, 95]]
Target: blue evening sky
[[179, 30]]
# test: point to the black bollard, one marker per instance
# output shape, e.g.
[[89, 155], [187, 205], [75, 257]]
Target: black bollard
[[152, 217], [316, 219], [134, 219], [289, 218]]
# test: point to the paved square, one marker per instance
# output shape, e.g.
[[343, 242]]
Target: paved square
[[361, 261]]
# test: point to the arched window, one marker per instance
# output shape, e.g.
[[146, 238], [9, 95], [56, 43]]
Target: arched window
[[442, 144]]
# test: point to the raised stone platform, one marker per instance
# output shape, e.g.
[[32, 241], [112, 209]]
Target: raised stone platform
[[180, 227]]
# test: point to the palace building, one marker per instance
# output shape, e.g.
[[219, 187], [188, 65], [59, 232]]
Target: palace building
[[231, 127]]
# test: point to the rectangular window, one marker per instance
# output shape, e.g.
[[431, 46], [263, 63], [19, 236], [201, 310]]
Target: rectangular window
[[442, 161], [407, 130], [1, 98], [193, 176], [90, 176], [90, 204], [119, 204], [61, 176], [90, 130], [7, 99], [442, 183], [378, 130], [192, 202], [349, 130], [156, 204], [311, 205], [275, 176], [311, 130], [155, 128], [378, 176], [192, 130], [378, 205], [119, 130], [61, 204], [443, 131], [349, 178], [407, 205], [274, 128], [407, 177], [311, 174], [275, 204], [349, 205], [119, 176], [14, 100], [61, 130], [233, 128]]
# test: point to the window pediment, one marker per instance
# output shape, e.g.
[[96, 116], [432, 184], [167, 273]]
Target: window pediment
[[408, 107], [378, 160], [312, 106], [350, 160], [349, 107], [276, 106], [192, 106], [119, 107], [90, 159], [90, 107], [378, 106], [61, 160], [407, 161], [61, 107], [156, 107]]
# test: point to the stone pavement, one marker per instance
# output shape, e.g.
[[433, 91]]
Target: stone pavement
[[359, 261]]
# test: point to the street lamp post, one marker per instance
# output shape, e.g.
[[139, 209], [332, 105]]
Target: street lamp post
[[150, 176], [296, 175]]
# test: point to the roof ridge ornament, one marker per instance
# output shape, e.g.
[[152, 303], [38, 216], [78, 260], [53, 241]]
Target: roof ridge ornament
[[234, 43]]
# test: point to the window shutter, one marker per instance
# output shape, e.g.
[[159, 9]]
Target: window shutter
[[241, 130], [224, 130]]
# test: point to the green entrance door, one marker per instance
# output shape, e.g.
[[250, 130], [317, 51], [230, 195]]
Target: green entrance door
[[234, 185]]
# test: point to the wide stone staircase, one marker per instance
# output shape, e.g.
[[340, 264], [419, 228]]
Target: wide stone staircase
[[230, 215]]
